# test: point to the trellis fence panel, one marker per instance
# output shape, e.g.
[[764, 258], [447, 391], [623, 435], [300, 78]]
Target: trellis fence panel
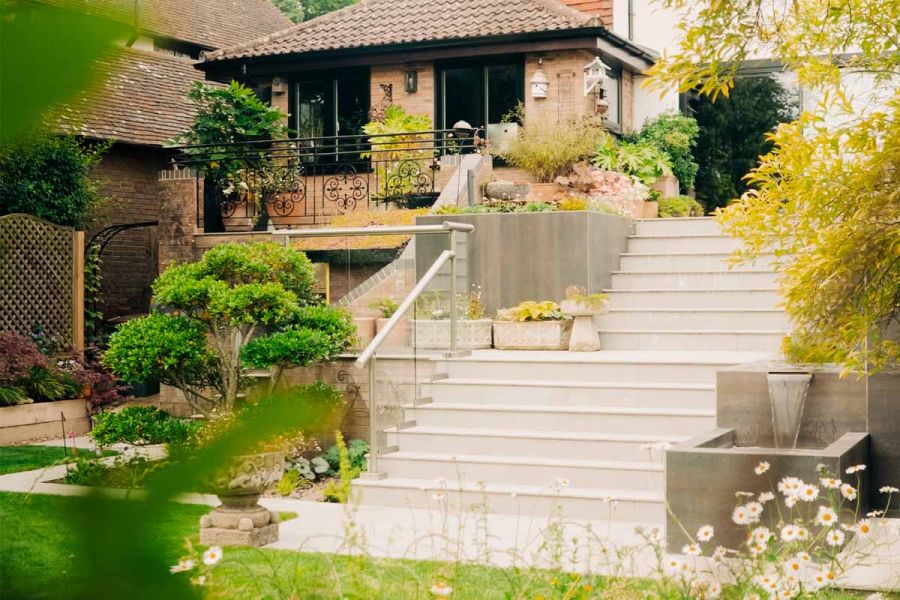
[[42, 278]]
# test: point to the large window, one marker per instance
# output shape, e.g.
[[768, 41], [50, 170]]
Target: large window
[[480, 93]]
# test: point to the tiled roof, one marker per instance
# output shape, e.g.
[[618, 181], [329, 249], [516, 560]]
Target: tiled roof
[[139, 98], [207, 23], [385, 22]]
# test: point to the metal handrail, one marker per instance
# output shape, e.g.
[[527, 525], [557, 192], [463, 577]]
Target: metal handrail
[[378, 340], [444, 228]]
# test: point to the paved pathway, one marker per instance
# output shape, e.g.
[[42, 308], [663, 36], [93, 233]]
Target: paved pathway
[[436, 534]]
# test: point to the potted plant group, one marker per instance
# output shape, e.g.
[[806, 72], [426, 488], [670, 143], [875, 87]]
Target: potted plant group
[[432, 325], [584, 307], [242, 307], [399, 337], [532, 326]]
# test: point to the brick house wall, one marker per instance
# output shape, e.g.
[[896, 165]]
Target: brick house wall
[[628, 123], [566, 99], [419, 103], [127, 178]]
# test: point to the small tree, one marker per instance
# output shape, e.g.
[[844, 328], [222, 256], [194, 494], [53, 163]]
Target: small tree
[[675, 135], [242, 305], [733, 135]]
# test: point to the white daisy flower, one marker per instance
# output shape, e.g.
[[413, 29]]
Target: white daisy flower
[[212, 556], [835, 537], [201, 580], [808, 493], [713, 590], [674, 566], [720, 552], [761, 468], [848, 491], [790, 486], [864, 527], [756, 548], [875, 514], [441, 589], [705, 533], [744, 494], [889, 489], [183, 565], [741, 516], [790, 501], [761, 535], [802, 533], [826, 517], [755, 509], [691, 550], [766, 497], [793, 567], [855, 469], [438, 496], [789, 533], [804, 557], [830, 483]]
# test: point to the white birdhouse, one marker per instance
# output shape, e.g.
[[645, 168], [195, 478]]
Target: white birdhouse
[[540, 84], [595, 75]]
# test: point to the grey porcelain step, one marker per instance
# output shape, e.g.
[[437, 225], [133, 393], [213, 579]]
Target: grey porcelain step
[[738, 341], [581, 473], [543, 444], [690, 261], [533, 500], [688, 319], [698, 280], [682, 243], [766, 298], [679, 226]]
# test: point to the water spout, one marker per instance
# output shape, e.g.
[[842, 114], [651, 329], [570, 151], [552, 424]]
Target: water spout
[[787, 397]]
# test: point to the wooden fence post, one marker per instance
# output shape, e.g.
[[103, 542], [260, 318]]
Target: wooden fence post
[[78, 291]]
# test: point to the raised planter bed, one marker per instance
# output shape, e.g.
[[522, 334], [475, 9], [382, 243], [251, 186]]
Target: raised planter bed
[[532, 335], [43, 419], [470, 334]]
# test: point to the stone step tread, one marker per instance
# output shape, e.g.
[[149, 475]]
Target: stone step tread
[[677, 236], [576, 410], [624, 465], [652, 357], [513, 488], [642, 438], [689, 290], [611, 385], [675, 219], [698, 331], [703, 272], [655, 254]]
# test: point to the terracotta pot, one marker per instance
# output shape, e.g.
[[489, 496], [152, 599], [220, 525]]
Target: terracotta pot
[[238, 215], [286, 209], [365, 330], [650, 209], [532, 335], [544, 192], [399, 337], [667, 185]]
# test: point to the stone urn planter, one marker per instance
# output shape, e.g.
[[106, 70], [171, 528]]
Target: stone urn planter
[[240, 520], [472, 334], [238, 214], [507, 190], [585, 337], [532, 335], [399, 337]]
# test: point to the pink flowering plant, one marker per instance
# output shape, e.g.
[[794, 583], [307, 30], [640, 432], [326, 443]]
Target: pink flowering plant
[[799, 540]]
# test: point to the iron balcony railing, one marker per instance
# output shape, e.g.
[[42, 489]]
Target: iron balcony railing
[[299, 182]]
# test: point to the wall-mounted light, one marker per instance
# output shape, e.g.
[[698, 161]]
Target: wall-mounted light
[[411, 82], [540, 84]]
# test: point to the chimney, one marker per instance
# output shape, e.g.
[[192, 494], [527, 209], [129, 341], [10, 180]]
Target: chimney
[[598, 8]]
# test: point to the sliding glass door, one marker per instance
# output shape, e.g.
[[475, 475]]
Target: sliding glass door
[[327, 107], [479, 93]]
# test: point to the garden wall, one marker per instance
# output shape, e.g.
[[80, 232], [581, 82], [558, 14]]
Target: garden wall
[[531, 256], [43, 420]]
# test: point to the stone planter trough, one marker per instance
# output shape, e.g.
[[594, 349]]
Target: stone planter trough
[[532, 335], [470, 334]]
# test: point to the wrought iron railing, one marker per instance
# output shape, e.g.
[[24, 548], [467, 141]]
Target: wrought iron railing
[[299, 182]]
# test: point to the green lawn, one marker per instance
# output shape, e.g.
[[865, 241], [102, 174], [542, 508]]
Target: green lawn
[[41, 557], [27, 458]]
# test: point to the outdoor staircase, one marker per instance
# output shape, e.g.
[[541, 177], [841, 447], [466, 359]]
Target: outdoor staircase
[[530, 432]]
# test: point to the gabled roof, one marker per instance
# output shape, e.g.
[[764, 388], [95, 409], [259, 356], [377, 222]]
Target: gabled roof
[[372, 23], [207, 23], [139, 98]]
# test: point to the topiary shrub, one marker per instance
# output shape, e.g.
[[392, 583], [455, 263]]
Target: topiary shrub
[[48, 176], [680, 206], [241, 305], [141, 425]]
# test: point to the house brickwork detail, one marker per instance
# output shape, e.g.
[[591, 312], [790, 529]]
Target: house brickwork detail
[[627, 101], [419, 103], [178, 218], [597, 8], [566, 99]]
